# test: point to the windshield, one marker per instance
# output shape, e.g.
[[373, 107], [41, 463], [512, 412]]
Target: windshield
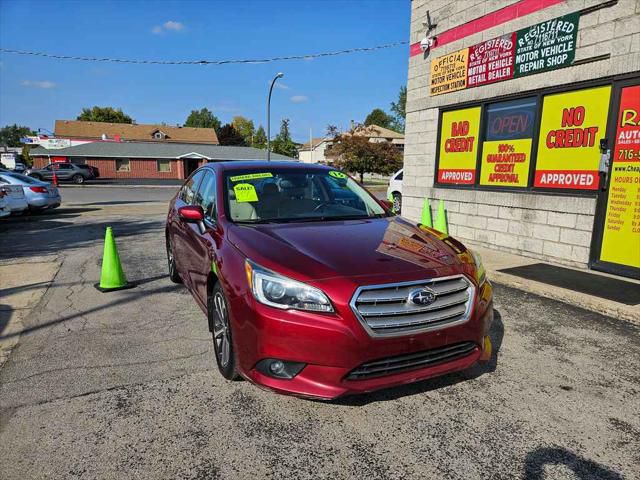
[[22, 178], [296, 195]]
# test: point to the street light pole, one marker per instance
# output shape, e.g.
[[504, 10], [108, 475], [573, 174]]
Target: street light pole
[[273, 82]]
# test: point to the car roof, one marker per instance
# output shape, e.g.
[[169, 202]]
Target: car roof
[[262, 165]]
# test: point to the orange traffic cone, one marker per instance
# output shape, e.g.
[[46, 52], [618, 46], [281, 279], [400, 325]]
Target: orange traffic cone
[[54, 180]]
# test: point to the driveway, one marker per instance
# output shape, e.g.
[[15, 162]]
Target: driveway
[[124, 384]]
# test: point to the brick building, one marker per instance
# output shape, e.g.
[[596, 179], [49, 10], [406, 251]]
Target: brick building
[[509, 115], [147, 159]]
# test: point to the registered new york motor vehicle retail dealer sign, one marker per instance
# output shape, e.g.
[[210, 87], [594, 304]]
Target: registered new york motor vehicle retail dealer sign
[[541, 47]]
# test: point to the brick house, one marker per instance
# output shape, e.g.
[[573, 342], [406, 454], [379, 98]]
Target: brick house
[[524, 117], [147, 159]]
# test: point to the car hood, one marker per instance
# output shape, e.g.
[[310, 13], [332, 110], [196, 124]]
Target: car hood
[[381, 249]]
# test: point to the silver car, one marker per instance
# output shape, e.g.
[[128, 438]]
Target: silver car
[[39, 195]]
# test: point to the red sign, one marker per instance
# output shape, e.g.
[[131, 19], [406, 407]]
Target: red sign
[[491, 61], [58, 159]]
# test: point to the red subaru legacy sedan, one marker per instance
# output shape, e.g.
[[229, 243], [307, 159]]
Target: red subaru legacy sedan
[[313, 287]]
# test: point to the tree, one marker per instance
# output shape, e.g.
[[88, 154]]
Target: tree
[[11, 135], [356, 154], [104, 114], [283, 144], [203, 118], [228, 135], [244, 127], [399, 110], [260, 138], [380, 118], [332, 131], [26, 158]]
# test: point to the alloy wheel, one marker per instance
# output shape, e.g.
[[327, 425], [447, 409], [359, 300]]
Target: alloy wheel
[[221, 336]]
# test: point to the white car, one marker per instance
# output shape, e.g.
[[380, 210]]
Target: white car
[[395, 190], [15, 198]]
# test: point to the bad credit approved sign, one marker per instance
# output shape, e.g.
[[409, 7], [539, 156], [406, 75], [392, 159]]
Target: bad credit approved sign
[[459, 146], [569, 143]]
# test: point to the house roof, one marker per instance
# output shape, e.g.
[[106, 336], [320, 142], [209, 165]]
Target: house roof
[[157, 150], [375, 131], [126, 131], [316, 142]]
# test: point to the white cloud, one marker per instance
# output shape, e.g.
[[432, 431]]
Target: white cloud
[[299, 98], [168, 26], [38, 84]]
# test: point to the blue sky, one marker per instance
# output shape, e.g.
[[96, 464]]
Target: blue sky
[[36, 91]]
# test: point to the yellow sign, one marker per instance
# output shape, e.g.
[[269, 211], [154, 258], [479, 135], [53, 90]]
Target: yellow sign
[[459, 146], [251, 176], [449, 72], [569, 143], [337, 174], [621, 237], [245, 192], [506, 163]]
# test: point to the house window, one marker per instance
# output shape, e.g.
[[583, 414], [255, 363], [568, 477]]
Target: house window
[[164, 165], [123, 165]]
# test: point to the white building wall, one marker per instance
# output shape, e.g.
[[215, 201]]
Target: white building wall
[[549, 227]]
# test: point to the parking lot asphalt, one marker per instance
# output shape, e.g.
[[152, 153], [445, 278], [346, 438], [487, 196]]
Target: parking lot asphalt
[[124, 384]]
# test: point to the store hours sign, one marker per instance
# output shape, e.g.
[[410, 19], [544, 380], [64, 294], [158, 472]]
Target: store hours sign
[[541, 47]]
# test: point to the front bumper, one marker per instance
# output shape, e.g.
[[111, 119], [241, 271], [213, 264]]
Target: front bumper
[[334, 346]]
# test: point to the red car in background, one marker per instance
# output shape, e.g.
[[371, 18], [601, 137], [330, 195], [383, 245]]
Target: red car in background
[[313, 287]]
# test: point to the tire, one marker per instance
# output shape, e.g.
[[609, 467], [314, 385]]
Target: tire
[[222, 338], [78, 179], [174, 276], [397, 202]]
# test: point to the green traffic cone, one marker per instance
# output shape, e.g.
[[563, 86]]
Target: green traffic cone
[[441, 219], [391, 200], [425, 219], [112, 277]]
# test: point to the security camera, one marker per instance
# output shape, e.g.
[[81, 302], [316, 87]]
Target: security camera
[[427, 43]]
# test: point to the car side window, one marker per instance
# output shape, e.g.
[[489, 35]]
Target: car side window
[[64, 166], [399, 176], [189, 188], [48, 167], [206, 196]]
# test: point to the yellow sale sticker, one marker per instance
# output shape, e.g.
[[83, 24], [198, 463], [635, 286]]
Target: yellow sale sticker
[[459, 146], [251, 176], [245, 192], [569, 143], [336, 174], [505, 163]]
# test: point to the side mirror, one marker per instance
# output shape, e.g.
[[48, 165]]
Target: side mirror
[[192, 214]]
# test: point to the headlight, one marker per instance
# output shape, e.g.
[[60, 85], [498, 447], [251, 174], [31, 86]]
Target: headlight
[[481, 274], [278, 291]]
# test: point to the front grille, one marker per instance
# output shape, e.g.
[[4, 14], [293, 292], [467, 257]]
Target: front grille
[[413, 361], [385, 310]]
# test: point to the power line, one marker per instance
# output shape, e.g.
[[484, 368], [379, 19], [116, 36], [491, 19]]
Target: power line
[[204, 62]]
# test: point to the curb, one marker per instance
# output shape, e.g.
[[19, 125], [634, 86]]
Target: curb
[[629, 313]]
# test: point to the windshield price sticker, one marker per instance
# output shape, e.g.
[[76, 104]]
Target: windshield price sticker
[[245, 192], [336, 174], [251, 176]]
